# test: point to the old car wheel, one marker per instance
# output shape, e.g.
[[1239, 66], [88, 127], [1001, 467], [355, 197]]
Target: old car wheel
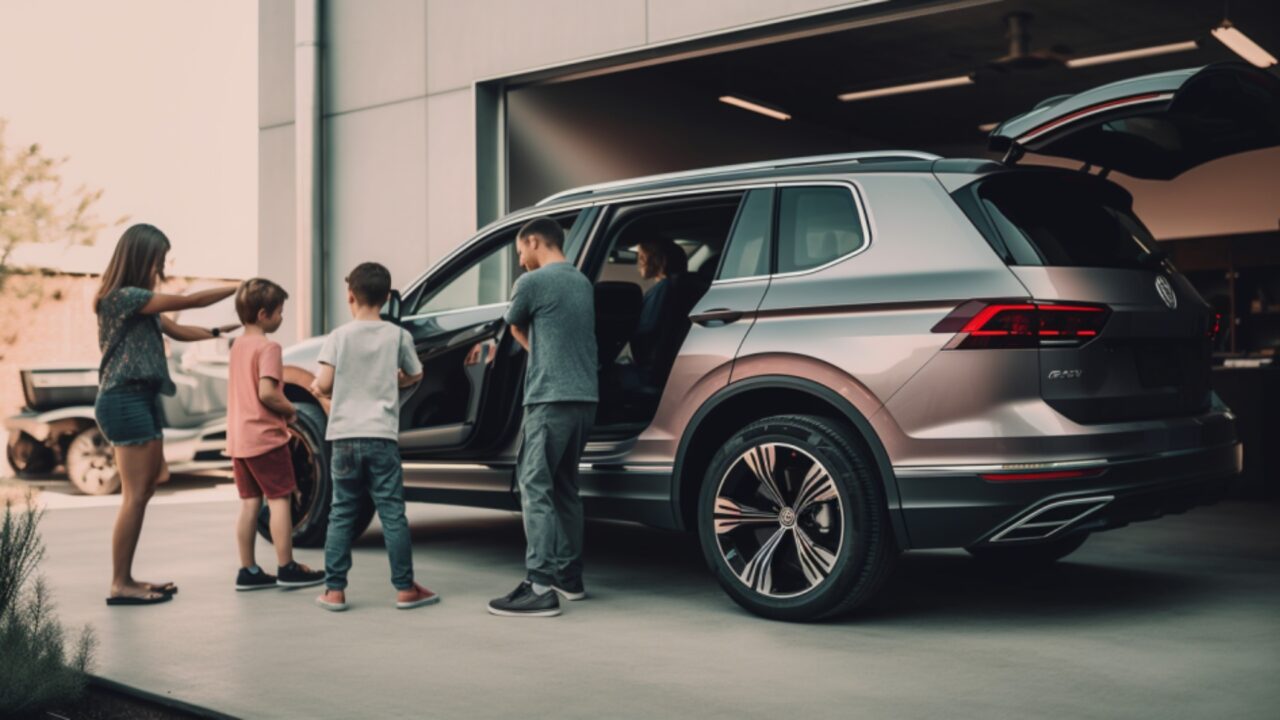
[[792, 519], [310, 505], [1029, 555], [27, 456], [91, 464]]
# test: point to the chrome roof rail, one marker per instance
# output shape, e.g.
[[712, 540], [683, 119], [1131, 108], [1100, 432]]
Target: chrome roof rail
[[712, 172]]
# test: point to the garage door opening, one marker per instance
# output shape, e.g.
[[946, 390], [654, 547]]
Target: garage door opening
[[669, 115]]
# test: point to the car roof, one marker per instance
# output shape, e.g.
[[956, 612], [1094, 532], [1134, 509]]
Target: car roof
[[840, 164]]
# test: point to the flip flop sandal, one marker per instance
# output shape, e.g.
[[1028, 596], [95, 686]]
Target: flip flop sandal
[[136, 600], [167, 588]]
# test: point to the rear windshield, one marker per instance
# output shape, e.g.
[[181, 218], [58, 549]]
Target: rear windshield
[[1058, 220]]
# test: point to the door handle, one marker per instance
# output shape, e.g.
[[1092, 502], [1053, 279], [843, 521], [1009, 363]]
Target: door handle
[[716, 317]]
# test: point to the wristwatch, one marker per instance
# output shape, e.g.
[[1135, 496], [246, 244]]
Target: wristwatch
[[215, 331]]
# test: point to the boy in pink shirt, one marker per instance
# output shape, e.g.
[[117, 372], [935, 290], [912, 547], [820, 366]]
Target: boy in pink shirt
[[258, 415]]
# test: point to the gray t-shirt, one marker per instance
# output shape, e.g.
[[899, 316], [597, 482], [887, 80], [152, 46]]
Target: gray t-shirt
[[555, 305], [365, 355]]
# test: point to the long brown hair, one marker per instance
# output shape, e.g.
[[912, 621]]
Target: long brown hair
[[137, 262]]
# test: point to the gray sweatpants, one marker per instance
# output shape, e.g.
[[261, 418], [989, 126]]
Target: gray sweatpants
[[547, 473]]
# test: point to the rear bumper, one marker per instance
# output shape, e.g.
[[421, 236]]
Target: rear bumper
[[955, 507]]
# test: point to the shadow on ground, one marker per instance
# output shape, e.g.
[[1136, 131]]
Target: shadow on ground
[[942, 587]]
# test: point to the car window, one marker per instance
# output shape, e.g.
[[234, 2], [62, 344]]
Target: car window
[[486, 281], [1072, 222], [815, 226], [748, 251]]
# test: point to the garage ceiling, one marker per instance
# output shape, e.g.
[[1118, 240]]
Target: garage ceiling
[[804, 76]]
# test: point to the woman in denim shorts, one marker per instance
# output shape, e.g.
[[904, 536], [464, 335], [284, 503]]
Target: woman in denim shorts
[[131, 377]]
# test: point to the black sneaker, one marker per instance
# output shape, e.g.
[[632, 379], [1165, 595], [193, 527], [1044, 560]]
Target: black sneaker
[[570, 589], [524, 602], [294, 575], [248, 580]]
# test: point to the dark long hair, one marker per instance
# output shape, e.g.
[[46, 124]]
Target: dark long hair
[[137, 262], [666, 256]]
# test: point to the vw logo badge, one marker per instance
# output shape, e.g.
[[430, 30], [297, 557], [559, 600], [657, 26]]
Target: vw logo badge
[[1165, 289]]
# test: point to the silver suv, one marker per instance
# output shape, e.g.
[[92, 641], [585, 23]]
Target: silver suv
[[869, 353]]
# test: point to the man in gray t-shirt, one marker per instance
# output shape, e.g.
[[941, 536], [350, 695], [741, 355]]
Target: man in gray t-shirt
[[552, 315]]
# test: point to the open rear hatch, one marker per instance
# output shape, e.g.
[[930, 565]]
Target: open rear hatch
[[1121, 335], [1072, 239], [1156, 126]]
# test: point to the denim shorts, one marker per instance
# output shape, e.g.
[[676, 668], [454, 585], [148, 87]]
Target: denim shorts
[[129, 414]]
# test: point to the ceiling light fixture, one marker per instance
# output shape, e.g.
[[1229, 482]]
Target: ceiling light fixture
[[1133, 54], [1240, 44], [755, 107], [909, 88]]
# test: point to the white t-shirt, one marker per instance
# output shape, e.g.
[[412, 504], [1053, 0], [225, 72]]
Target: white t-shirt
[[365, 355]]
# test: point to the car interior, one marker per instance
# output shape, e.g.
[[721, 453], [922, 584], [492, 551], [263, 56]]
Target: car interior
[[631, 383]]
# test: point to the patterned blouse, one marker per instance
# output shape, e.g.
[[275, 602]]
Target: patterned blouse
[[139, 356]]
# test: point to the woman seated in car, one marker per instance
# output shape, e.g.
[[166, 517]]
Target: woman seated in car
[[659, 260]]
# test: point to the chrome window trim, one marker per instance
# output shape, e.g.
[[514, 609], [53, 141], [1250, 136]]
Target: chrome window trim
[[441, 313], [739, 281], [859, 207], [661, 195]]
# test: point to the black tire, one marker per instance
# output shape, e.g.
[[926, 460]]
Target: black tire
[[1028, 556], [91, 463], [310, 506], [845, 518], [29, 457]]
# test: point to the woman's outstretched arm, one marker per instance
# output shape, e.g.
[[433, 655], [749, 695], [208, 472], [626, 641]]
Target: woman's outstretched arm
[[190, 333], [162, 303]]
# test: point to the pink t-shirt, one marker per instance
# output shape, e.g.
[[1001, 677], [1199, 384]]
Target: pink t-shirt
[[253, 428]]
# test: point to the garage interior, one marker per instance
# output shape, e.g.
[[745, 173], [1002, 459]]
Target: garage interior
[[633, 116]]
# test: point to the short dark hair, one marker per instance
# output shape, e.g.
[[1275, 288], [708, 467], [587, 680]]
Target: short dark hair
[[370, 282], [258, 294], [545, 228]]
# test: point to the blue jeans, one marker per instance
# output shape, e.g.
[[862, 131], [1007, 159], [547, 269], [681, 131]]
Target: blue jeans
[[372, 466]]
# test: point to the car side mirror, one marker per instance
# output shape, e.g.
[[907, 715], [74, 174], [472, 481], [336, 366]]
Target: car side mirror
[[391, 311]]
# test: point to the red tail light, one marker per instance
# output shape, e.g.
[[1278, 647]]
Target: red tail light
[[1022, 325], [1215, 326]]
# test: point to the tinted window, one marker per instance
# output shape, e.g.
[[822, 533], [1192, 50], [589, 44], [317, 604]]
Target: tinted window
[[485, 282], [748, 253], [815, 226], [1073, 222]]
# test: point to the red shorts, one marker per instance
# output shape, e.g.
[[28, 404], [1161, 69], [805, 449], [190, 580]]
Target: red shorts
[[270, 474]]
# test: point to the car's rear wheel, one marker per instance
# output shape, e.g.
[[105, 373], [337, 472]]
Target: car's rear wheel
[[91, 463], [29, 457], [310, 505], [793, 521], [1023, 556]]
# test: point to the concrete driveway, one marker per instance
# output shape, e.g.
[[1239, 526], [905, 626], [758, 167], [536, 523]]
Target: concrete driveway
[[1173, 619]]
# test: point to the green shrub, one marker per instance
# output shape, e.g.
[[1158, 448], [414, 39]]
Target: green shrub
[[35, 671]]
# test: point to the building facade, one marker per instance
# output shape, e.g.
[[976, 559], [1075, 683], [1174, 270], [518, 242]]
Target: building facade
[[389, 130]]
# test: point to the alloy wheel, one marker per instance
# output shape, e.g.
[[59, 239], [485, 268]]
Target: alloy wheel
[[779, 520]]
